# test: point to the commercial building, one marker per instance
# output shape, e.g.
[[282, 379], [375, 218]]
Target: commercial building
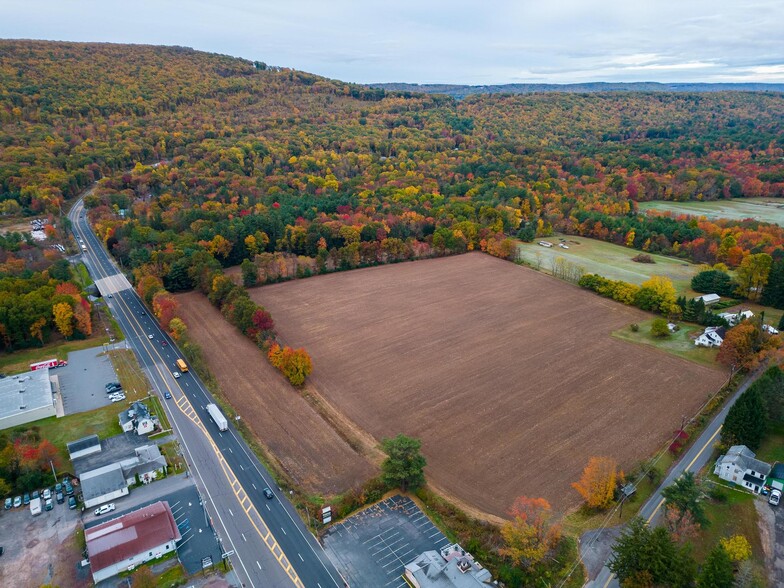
[[130, 540], [25, 398], [102, 485], [450, 567]]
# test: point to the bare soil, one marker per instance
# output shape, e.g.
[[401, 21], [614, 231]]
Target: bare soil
[[509, 377], [309, 450]]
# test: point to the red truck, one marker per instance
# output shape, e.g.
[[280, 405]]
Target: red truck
[[49, 363]]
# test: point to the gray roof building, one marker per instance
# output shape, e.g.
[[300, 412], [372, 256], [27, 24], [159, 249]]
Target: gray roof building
[[451, 567], [25, 398], [103, 484], [84, 446]]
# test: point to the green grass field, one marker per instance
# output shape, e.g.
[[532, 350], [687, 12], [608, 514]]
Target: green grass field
[[608, 260], [680, 343], [768, 210]]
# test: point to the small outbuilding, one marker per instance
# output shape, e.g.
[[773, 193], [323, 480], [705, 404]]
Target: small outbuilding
[[709, 298]]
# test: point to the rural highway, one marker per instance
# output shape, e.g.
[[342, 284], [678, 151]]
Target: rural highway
[[265, 540], [692, 461]]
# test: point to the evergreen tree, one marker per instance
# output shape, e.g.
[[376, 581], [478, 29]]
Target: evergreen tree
[[746, 421], [685, 495], [717, 571], [773, 294]]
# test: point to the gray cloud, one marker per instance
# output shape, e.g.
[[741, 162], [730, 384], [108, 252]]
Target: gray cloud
[[455, 41]]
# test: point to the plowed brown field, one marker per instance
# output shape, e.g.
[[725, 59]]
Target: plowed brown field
[[310, 451], [509, 377]]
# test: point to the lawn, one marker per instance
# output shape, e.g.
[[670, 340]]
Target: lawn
[[763, 209], [135, 383], [608, 260], [680, 343], [102, 422], [772, 448]]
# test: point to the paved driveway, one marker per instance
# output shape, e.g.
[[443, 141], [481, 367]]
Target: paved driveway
[[83, 380]]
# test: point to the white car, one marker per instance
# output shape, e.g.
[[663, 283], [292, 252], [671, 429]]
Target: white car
[[47, 494], [151, 337], [176, 375], [117, 398], [104, 509], [563, 246], [775, 497]]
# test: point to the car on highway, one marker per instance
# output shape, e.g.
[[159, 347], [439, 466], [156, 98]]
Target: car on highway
[[166, 395], [104, 509], [17, 502], [268, 493], [151, 337], [163, 343], [176, 375], [72, 503], [9, 502], [142, 313]]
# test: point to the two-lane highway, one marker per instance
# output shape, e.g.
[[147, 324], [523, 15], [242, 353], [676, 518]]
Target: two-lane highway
[[270, 544]]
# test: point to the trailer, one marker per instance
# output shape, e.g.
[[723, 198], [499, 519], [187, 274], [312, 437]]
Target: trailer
[[49, 363], [218, 417]]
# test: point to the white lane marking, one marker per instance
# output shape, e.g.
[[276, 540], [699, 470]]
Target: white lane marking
[[243, 536], [258, 564], [231, 513], [284, 531], [254, 486], [300, 557]]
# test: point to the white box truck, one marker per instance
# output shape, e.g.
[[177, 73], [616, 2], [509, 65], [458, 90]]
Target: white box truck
[[35, 506], [218, 417]]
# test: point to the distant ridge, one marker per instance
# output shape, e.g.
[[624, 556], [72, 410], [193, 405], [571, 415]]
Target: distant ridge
[[461, 91]]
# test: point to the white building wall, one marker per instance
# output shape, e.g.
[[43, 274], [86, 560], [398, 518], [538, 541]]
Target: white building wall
[[133, 561], [106, 498], [28, 416]]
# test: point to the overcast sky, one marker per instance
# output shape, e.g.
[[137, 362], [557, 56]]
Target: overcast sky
[[449, 41]]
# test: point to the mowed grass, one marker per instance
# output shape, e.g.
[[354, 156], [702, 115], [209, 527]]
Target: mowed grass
[[608, 260], [772, 448], [768, 210], [680, 343], [135, 384]]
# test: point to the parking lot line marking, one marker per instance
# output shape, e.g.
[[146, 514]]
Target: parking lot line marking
[[434, 534], [258, 564], [231, 513], [402, 555], [243, 536]]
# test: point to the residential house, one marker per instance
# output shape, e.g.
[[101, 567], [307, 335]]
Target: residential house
[[711, 337], [147, 464], [733, 318], [740, 467], [137, 419], [130, 540], [709, 298], [451, 567]]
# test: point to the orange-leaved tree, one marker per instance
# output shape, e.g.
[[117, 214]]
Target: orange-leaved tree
[[295, 364], [529, 537], [597, 484]]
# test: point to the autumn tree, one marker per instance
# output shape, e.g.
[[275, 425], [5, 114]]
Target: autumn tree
[[178, 328], [659, 328], [165, 307], [143, 578], [36, 329], [529, 537], [685, 494], [404, 466], [737, 548], [657, 294], [82, 319], [752, 275], [295, 364], [598, 482], [63, 318], [681, 525], [740, 345]]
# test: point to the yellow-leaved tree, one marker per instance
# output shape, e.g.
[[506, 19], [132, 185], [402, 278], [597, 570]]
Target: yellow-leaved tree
[[737, 547], [63, 318], [597, 484], [529, 537]]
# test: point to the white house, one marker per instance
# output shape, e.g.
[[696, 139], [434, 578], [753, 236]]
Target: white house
[[709, 298], [130, 540], [147, 464], [137, 419], [711, 337], [733, 318], [740, 467]]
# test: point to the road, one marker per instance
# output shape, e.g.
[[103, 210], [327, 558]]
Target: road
[[692, 461], [266, 541]]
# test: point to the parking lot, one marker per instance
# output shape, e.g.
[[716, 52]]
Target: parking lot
[[372, 547], [83, 380], [40, 549]]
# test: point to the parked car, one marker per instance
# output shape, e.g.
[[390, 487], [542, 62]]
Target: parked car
[[26, 499], [58, 487], [17, 502], [72, 503], [268, 493], [47, 494], [563, 246], [113, 385], [9, 502], [36, 494], [69, 489], [49, 505], [117, 398], [60, 498], [166, 395], [104, 509], [775, 497]]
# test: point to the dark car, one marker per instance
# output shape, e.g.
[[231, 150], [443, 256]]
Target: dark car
[[58, 487], [9, 502], [166, 395], [26, 499], [164, 343], [60, 498], [268, 493], [36, 494], [143, 313], [72, 503], [69, 489]]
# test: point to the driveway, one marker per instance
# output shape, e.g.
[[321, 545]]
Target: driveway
[[771, 523], [83, 380]]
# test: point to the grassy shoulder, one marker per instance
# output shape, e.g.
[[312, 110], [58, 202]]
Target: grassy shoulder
[[679, 343]]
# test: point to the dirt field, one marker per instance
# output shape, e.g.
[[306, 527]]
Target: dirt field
[[313, 454], [509, 377]]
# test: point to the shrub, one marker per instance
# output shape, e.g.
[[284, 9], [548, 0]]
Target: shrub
[[643, 258]]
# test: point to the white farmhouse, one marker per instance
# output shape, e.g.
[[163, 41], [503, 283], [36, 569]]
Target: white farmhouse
[[740, 467], [711, 337]]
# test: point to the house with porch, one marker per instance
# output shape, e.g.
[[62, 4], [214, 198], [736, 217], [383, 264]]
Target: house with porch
[[740, 466]]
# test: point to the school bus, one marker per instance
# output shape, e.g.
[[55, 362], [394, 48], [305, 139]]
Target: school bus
[[182, 365]]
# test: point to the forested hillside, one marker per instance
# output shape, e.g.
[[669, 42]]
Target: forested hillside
[[233, 160]]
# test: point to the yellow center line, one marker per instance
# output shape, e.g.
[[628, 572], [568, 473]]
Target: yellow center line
[[184, 406]]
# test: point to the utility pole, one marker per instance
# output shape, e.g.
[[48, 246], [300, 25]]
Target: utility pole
[[54, 473]]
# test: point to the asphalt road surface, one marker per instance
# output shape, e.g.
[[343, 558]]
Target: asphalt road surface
[[692, 461], [266, 541]]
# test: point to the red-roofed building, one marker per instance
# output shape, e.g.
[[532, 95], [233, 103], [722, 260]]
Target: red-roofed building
[[130, 540]]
